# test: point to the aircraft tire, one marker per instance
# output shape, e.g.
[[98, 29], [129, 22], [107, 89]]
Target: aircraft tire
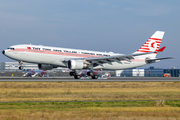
[[72, 74], [95, 77], [20, 67], [77, 77], [90, 73]]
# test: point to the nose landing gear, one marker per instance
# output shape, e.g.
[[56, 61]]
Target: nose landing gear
[[20, 67]]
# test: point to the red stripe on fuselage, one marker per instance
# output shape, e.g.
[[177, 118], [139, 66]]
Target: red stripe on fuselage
[[63, 53], [55, 53]]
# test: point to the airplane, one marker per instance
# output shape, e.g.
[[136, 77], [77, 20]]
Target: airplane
[[34, 73], [48, 58]]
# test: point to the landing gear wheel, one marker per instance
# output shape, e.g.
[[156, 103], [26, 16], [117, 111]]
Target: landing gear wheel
[[20, 67], [90, 73], [95, 77], [77, 77], [72, 74]]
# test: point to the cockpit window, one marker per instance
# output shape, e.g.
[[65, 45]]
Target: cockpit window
[[11, 48]]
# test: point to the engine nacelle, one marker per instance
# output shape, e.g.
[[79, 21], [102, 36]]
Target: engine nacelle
[[76, 64], [45, 67]]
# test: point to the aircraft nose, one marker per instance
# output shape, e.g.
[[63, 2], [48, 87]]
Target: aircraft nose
[[3, 52]]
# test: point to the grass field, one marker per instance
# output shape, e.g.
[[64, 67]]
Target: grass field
[[101, 92]]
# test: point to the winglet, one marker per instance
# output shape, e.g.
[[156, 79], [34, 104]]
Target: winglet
[[161, 50]]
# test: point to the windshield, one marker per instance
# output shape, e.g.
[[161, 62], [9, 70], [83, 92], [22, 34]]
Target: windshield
[[11, 48]]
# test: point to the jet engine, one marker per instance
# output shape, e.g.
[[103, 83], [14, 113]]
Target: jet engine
[[45, 67], [77, 64]]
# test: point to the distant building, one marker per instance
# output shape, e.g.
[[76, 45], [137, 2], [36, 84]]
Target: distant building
[[153, 72], [173, 72], [14, 66], [150, 72]]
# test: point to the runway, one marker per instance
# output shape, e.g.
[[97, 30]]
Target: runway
[[111, 79]]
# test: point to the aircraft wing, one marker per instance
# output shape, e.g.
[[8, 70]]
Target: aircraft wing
[[115, 58]]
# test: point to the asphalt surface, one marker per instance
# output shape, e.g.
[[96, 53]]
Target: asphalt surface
[[111, 79]]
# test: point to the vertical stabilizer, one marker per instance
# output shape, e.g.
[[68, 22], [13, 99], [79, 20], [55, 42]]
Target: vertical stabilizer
[[152, 44]]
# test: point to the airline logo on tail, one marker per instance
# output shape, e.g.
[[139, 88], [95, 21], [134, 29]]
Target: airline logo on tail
[[153, 43]]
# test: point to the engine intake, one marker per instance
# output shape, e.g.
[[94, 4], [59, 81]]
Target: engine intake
[[76, 64]]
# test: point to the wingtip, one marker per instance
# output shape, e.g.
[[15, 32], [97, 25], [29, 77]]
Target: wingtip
[[172, 57]]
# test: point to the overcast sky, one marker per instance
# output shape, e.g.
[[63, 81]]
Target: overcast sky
[[120, 26]]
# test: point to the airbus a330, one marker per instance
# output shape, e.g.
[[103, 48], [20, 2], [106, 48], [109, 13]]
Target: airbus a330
[[48, 58]]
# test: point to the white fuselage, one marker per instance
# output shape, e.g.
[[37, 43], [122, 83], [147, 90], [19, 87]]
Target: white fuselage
[[56, 56]]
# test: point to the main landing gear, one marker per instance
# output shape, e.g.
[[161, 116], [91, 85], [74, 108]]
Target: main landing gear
[[74, 73], [91, 72], [77, 76], [92, 75]]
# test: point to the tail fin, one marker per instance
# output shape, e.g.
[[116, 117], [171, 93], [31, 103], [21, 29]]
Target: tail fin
[[152, 44]]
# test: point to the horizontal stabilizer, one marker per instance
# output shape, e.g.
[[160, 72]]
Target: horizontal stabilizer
[[161, 50], [158, 59], [164, 58]]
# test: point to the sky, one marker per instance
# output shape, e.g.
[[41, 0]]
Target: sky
[[120, 26]]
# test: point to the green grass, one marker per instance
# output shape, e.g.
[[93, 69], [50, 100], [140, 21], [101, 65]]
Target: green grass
[[157, 107], [91, 110], [173, 103], [67, 105]]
